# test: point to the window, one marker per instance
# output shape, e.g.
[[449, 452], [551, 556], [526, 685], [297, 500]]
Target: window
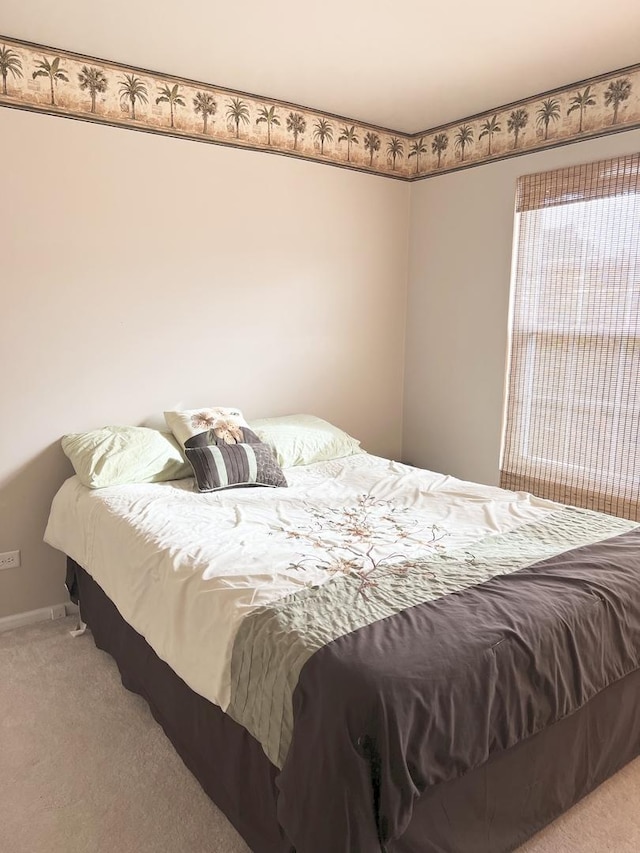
[[572, 424]]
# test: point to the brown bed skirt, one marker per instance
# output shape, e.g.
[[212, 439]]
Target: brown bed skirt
[[492, 809]]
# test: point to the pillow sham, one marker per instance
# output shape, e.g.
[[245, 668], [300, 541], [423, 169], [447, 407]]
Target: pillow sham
[[304, 439], [224, 466], [115, 455], [224, 421]]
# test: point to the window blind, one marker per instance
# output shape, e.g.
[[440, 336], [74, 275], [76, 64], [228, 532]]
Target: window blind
[[572, 419]]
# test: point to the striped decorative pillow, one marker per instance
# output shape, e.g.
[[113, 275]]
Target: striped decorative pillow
[[223, 466]]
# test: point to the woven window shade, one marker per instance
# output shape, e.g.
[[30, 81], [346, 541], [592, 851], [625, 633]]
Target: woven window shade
[[572, 425]]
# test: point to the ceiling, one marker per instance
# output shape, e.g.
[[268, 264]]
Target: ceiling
[[408, 66]]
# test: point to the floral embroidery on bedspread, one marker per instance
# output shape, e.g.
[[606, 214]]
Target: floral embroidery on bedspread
[[356, 531]]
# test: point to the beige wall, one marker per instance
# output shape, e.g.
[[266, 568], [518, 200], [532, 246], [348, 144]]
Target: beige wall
[[459, 274], [140, 272]]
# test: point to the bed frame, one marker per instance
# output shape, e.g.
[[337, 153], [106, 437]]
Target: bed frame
[[492, 809]]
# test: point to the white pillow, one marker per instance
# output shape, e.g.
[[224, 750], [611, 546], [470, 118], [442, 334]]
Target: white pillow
[[303, 439], [224, 421]]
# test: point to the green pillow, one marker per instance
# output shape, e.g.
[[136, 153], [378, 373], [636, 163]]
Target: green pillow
[[115, 455], [303, 439]]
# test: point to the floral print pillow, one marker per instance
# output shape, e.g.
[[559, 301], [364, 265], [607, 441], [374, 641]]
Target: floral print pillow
[[225, 425]]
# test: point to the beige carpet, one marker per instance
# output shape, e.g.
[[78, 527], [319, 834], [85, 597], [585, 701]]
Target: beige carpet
[[85, 769]]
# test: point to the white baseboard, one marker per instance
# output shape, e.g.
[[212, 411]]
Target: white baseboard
[[55, 611]]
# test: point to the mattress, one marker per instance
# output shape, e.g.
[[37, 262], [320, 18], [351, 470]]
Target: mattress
[[392, 628]]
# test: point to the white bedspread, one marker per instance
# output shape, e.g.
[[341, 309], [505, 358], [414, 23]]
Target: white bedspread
[[183, 568]]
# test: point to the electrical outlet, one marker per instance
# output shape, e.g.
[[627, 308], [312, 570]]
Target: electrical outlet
[[58, 611], [10, 560]]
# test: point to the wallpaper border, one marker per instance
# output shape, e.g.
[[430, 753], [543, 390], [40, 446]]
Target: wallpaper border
[[236, 119], [553, 124], [59, 82]]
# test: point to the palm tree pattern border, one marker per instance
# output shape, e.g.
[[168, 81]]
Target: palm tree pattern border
[[44, 79]]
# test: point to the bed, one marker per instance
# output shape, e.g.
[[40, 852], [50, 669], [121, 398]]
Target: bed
[[377, 658]]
